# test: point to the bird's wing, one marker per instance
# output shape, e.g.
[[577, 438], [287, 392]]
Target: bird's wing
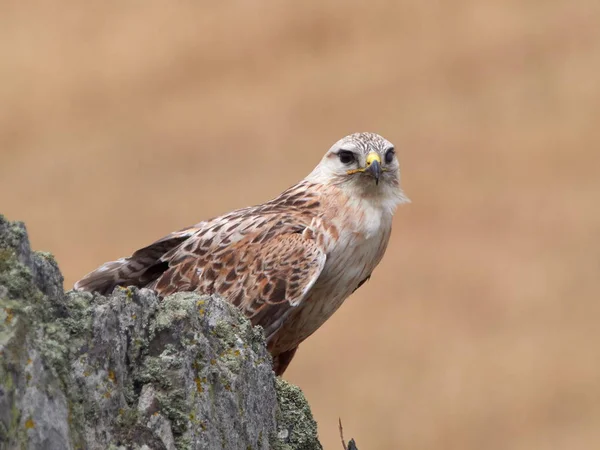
[[281, 277], [198, 258], [266, 274]]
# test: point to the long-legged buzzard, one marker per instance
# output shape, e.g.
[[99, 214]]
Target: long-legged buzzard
[[289, 263]]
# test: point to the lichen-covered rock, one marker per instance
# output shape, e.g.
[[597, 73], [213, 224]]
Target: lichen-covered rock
[[132, 371], [296, 428]]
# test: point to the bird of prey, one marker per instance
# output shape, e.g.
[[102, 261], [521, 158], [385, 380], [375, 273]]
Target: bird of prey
[[289, 263]]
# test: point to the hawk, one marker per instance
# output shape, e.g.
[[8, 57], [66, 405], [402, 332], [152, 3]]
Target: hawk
[[289, 263]]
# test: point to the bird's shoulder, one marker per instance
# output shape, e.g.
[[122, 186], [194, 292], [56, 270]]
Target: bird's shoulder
[[293, 211]]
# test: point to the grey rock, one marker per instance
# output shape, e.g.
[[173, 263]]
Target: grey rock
[[132, 371]]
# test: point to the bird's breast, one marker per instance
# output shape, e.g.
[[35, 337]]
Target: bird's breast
[[352, 259], [353, 251]]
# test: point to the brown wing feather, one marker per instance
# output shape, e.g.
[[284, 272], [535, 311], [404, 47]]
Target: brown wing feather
[[281, 278], [242, 270]]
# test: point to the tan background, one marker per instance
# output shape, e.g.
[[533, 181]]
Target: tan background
[[480, 330]]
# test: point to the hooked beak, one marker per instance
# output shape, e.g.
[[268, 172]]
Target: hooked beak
[[374, 166]]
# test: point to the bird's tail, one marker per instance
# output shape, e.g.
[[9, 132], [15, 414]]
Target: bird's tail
[[140, 269], [106, 277]]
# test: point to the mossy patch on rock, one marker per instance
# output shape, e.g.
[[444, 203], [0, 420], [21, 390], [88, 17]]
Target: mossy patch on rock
[[296, 428]]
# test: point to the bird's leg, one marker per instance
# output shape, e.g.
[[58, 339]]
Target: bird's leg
[[283, 360]]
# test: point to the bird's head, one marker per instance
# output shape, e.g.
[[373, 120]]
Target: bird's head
[[363, 165]]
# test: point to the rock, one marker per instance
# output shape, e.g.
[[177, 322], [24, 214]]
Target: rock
[[132, 371]]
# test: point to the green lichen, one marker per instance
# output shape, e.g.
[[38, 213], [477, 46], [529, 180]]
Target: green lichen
[[79, 321], [16, 278], [183, 443], [33, 324], [48, 257], [174, 309], [14, 235], [127, 418], [297, 430], [225, 332], [173, 405], [55, 349], [6, 256], [232, 359], [154, 371]]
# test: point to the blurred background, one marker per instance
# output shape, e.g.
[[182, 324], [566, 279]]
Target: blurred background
[[121, 122]]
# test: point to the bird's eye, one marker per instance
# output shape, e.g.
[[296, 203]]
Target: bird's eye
[[389, 156], [346, 156]]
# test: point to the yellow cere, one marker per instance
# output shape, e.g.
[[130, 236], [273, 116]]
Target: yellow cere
[[373, 156]]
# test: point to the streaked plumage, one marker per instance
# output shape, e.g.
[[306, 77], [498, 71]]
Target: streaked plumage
[[289, 263]]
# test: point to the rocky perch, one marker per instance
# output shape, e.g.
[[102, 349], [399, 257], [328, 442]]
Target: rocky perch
[[131, 371]]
